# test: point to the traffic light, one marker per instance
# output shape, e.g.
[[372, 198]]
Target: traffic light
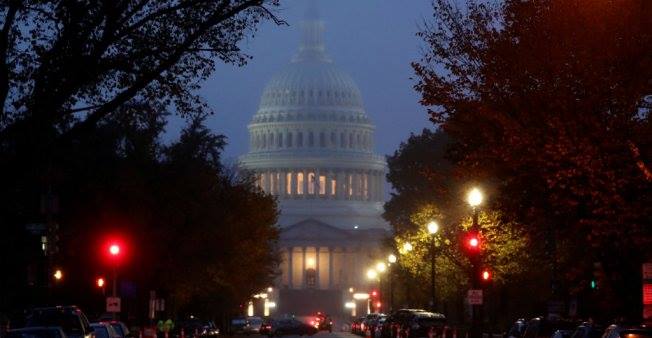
[[486, 275], [472, 242], [114, 249], [374, 293], [100, 282], [594, 284], [378, 305]]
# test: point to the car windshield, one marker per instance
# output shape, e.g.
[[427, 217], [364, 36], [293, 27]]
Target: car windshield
[[101, 332], [33, 334]]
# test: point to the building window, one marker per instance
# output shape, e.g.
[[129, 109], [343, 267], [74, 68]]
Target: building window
[[288, 183], [350, 140], [350, 177], [288, 142], [311, 139], [333, 140], [322, 140], [271, 140], [358, 142], [300, 139], [279, 139], [273, 180], [342, 140], [365, 186], [311, 183], [333, 187], [264, 141], [322, 184], [300, 184]]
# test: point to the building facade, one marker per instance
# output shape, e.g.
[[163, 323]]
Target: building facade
[[312, 146]]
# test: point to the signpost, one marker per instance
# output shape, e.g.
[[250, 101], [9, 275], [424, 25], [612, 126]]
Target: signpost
[[113, 304], [474, 297]]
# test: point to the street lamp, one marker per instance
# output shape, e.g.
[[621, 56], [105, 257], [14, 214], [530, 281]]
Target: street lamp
[[372, 274], [58, 275], [433, 228], [392, 259], [475, 198], [381, 267]]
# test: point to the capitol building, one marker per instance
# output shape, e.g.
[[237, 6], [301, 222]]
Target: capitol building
[[312, 146]]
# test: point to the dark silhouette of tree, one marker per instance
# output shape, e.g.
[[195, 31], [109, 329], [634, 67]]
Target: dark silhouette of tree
[[551, 99]]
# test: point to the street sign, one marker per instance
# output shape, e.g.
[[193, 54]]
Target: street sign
[[647, 271], [112, 304], [647, 294], [474, 297]]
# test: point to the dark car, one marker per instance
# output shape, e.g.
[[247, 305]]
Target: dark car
[[588, 330], [370, 323], [121, 329], [517, 329], [238, 325], [412, 323], [104, 330], [70, 318], [543, 328], [36, 332], [291, 327], [266, 327], [636, 332], [195, 327], [356, 325], [323, 322]]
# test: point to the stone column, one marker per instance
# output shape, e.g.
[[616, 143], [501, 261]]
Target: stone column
[[282, 183], [305, 183], [329, 184]]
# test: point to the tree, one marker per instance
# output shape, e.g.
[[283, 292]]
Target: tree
[[550, 100]]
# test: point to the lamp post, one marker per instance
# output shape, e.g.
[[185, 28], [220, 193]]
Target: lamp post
[[433, 228], [391, 259], [475, 198]]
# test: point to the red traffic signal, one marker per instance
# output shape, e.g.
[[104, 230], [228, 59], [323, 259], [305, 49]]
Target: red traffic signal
[[472, 242], [114, 249], [374, 293], [378, 305], [100, 282], [485, 275]]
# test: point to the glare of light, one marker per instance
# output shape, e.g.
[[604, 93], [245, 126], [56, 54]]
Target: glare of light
[[381, 267], [250, 309], [407, 247], [310, 263], [433, 227], [351, 290], [355, 226], [271, 305], [486, 275], [349, 305], [58, 274], [100, 282], [378, 304], [114, 249], [270, 289], [475, 197], [360, 296], [392, 258], [372, 274], [473, 242]]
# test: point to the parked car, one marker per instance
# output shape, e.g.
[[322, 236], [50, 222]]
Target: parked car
[[588, 330], [356, 325], [194, 327], [540, 327], [238, 325], [291, 327], [70, 318], [371, 323], [266, 327], [612, 331], [412, 323], [517, 329], [104, 330], [323, 322], [253, 325], [37, 332], [121, 329], [636, 332]]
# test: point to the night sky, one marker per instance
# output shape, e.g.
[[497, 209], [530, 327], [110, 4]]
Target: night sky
[[373, 40]]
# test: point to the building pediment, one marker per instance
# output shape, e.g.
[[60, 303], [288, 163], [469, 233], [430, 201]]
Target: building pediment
[[312, 229]]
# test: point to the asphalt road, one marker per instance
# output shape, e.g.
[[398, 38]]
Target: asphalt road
[[321, 334]]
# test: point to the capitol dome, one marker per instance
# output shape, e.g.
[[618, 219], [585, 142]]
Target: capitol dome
[[311, 142]]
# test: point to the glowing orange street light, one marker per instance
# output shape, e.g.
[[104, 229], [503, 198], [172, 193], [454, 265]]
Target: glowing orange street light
[[100, 282], [58, 274]]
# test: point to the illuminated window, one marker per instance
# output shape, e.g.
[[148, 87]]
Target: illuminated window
[[288, 183], [300, 184], [322, 185], [350, 177], [273, 181], [311, 183], [365, 186], [333, 187]]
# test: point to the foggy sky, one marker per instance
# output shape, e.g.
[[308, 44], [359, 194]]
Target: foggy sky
[[372, 40]]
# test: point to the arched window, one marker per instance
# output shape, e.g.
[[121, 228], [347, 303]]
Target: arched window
[[300, 139], [311, 183], [300, 182], [288, 183], [288, 142], [333, 186], [311, 139]]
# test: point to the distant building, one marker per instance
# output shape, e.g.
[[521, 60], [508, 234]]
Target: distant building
[[311, 145]]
